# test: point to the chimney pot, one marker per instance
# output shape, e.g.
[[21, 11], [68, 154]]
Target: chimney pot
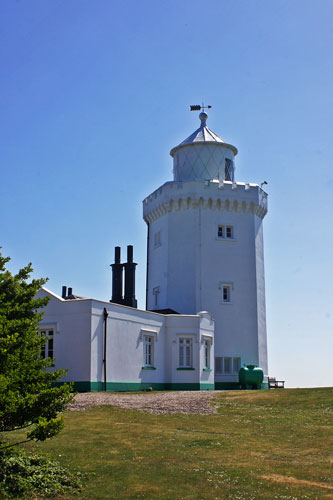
[[117, 278], [129, 253], [117, 255], [129, 297]]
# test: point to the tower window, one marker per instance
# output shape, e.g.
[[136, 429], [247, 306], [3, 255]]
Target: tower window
[[228, 169], [227, 364], [156, 292], [226, 294], [225, 232], [229, 232], [226, 291], [236, 364], [157, 239], [218, 364]]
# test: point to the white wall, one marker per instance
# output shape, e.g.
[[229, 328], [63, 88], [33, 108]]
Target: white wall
[[196, 263], [79, 342], [261, 301], [71, 320], [125, 330]]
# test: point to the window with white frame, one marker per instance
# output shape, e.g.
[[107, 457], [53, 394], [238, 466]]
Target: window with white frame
[[236, 364], [226, 293], [229, 232], [185, 353], [207, 354], [218, 365], [157, 239], [47, 349], [226, 290], [227, 364], [225, 232], [148, 350]]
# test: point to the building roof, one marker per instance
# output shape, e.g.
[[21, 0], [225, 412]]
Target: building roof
[[202, 135]]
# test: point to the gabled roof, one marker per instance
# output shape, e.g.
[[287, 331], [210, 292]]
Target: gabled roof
[[69, 297]]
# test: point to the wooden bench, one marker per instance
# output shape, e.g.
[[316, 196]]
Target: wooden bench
[[275, 384]]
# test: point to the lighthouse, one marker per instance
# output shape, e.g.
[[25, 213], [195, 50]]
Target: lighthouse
[[205, 250]]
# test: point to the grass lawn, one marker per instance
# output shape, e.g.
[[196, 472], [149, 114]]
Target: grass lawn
[[260, 445]]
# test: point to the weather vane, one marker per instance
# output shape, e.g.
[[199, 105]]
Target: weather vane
[[197, 107]]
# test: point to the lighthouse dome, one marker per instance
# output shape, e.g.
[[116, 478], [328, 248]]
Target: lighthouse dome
[[203, 156]]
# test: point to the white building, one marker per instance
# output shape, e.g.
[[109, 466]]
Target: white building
[[205, 253], [205, 250], [112, 347]]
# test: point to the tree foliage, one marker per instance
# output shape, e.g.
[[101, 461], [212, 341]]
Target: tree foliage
[[28, 398]]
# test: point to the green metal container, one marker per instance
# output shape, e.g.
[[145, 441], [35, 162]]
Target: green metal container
[[250, 377]]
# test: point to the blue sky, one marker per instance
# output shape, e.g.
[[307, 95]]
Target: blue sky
[[94, 94]]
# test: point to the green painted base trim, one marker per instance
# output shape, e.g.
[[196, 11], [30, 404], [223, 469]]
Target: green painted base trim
[[133, 386], [138, 386], [142, 386], [206, 369], [235, 386], [185, 368], [206, 387], [148, 368], [97, 386], [232, 386]]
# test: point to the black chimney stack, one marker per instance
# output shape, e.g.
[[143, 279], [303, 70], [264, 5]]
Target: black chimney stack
[[64, 292], [129, 299], [117, 278], [70, 292]]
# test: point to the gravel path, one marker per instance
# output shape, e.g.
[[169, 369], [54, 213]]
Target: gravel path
[[160, 402]]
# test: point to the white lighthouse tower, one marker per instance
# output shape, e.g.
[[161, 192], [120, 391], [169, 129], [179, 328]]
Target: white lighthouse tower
[[205, 250]]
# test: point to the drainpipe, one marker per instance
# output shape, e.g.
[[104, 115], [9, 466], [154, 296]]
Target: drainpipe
[[105, 313]]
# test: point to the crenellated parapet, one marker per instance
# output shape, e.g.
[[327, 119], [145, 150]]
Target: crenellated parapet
[[207, 195]]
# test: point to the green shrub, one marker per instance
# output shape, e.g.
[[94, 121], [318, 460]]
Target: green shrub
[[23, 473], [28, 398]]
